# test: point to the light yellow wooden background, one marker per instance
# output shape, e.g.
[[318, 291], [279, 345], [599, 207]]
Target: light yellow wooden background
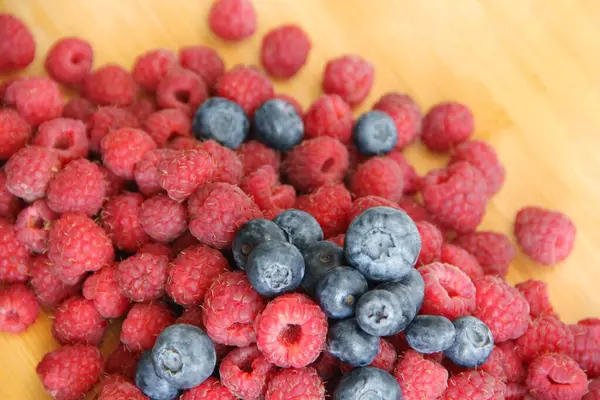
[[530, 69]]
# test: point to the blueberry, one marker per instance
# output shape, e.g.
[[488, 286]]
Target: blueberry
[[250, 235], [319, 258], [300, 228], [383, 313], [350, 344], [430, 334], [338, 291], [473, 344], [375, 133], [275, 267], [184, 356], [152, 385], [411, 285], [367, 383], [278, 125], [222, 120], [382, 243]]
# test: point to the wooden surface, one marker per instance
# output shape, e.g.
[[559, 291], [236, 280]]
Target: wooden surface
[[530, 70]]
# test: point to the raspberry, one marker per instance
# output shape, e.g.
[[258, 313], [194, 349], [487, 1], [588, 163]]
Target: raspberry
[[110, 379], [14, 258], [14, 132], [102, 289], [338, 239], [78, 108], [228, 165], [350, 77], [448, 291], [447, 125], [556, 377], [120, 219], [291, 331], [545, 236], [183, 90], [284, 51], [289, 99], [216, 212], [232, 20], [210, 389], [330, 116], [9, 203], [77, 245], [268, 193], [142, 277], [69, 60], [483, 157], [110, 85], [122, 149], [295, 384], [415, 210], [69, 372], [204, 61], [536, 294], [146, 170], [246, 86], [192, 272], [18, 308], [545, 335], [37, 99], [183, 143], [4, 89], [474, 385], [516, 391], [121, 391], [245, 372], [504, 363], [184, 171], [502, 308], [594, 390], [326, 365], [493, 250], [29, 170], [330, 205], [48, 288], [406, 115], [66, 136], [364, 203], [456, 196], [122, 361], [143, 324], [152, 66], [163, 219], [114, 184], [420, 378], [166, 124], [143, 107], [17, 47], [316, 162], [193, 316], [33, 224], [386, 358], [77, 321], [587, 348], [183, 242], [412, 181], [107, 119], [157, 249], [254, 154], [431, 243]]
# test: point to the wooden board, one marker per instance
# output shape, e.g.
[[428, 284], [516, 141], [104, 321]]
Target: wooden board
[[529, 69]]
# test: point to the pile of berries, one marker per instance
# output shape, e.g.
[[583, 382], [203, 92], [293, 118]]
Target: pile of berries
[[258, 251]]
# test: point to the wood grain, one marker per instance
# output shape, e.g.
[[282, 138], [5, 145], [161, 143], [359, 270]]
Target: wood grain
[[529, 69]]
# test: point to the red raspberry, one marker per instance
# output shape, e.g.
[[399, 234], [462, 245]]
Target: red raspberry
[[184, 171], [183, 90], [330, 116], [284, 51], [504, 363], [192, 272], [216, 212], [406, 115], [210, 389], [143, 107], [14, 132], [254, 154], [33, 224], [483, 157], [29, 170], [364, 203], [228, 165], [594, 390], [157, 249], [69, 372], [493, 250], [295, 384], [316, 162], [142, 277], [193, 316], [447, 125], [448, 291], [106, 120], [48, 288], [17, 47], [112, 379], [163, 219], [330, 205], [152, 66], [14, 258], [431, 243], [268, 193], [516, 391], [232, 20], [386, 358], [9, 203], [77, 321], [18, 308], [66, 136], [37, 99], [110, 85], [69, 60], [291, 331], [474, 385], [502, 308], [204, 61], [143, 324], [456, 196], [412, 181], [338, 239], [419, 378], [78, 108], [536, 294], [183, 143], [4, 90], [416, 211], [556, 377], [77, 245], [121, 149], [587, 347], [289, 99], [166, 124], [545, 236], [462, 260], [326, 365], [120, 219], [121, 391], [102, 289], [245, 85], [546, 334], [350, 77], [146, 170], [122, 361], [245, 372]]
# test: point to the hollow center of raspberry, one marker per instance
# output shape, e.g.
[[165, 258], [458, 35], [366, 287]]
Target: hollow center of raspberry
[[291, 334], [35, 222], [76, 58], [246, 366], [171, 360], [451, 292], [378, 244], [560, 379], [182, 96], [63, 142], [327, 165]]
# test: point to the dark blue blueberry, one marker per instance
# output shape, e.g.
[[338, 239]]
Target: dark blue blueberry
[[383, 313], [275, 267], [250, 235], [278, 125], [319, 258], [184, 356], [338, 291], [383, 243], [411, 285], [350, 344], [473, 344], [152, 385], [430, 334], [222, 120], [375, 133], [367, 383], [300, 228]]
